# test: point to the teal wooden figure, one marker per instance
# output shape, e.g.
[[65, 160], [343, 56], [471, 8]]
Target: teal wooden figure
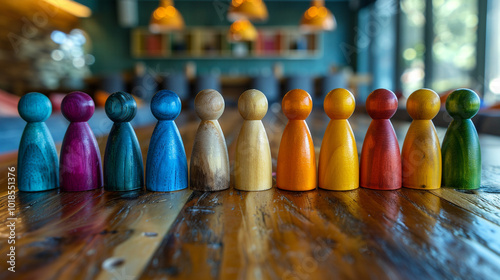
[[37, 163], [461, 151], [123, 167], [166, 165]]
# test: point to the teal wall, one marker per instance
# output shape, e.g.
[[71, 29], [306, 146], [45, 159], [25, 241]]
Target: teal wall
[[111, 43]]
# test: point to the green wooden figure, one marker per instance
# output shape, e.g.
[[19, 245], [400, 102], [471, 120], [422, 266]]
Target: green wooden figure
[[461, 151], [123, 166]]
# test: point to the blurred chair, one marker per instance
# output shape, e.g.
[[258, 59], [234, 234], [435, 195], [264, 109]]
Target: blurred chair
[[100, 97], [8, 104], [72, 82], [329, 82], [144, 86], [207, 81], [303, 82], [269, 85], [489, 122], [178, 83], [113, 83], [442, 119], [401, 114], [56, 99]]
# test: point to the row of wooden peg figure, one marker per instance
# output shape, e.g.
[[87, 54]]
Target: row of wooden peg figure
[[423, 163]]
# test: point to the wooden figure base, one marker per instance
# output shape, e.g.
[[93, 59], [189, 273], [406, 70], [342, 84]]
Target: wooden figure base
[[37, 164], [80, 166], [296, 170], [253, 165], [461, 156], [338, 161], [421, 157], [209, 167], [380, 165], [123, 167]]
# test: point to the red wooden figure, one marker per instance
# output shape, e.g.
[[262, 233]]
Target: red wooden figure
[[380, 164]]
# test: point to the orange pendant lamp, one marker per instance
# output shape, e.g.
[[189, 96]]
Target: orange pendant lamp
[[254, 10], [71, 7], [317, 18], [242, 30], [166, 18]]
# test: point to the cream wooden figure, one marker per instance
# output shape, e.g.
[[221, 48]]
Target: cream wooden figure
[[253, 166]]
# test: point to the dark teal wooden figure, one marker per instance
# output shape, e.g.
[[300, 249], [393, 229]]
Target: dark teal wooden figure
[[166, 165], [461, 151], [37, 163], [123, 167]]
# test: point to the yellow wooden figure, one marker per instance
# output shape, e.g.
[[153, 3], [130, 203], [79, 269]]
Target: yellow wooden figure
[[338, 158], [421, 155], [253, 166]]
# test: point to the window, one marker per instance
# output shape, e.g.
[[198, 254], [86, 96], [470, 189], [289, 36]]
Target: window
[[376, 34], [440, 44], [455, 27], [492, 73], [412, 45]]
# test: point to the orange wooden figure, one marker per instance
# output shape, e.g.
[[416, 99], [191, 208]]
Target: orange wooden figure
[[296, 170], [421, 154], [338, 160], [380, 164]]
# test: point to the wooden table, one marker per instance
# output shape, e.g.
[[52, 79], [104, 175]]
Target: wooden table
[[274, 234]]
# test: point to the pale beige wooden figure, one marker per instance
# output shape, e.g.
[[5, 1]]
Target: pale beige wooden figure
[[209, 167], [253, 166]]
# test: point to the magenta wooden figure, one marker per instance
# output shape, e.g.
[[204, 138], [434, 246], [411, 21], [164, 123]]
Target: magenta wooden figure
[[80, 163]]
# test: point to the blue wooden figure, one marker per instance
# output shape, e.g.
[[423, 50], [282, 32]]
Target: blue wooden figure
[[37, 163], [123, 167], [166, 165]]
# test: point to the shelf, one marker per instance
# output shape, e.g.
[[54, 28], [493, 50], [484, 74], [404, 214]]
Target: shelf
[[212, 43]]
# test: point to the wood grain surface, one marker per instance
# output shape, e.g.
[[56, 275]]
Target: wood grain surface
[[273, 234]]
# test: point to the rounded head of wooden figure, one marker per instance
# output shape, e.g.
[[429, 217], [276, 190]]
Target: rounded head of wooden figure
[[381, 104], [77, 107], [423, 104], [166, 105], [339, 104], [463, 104], [297, 104], [34, 107], [209, 104], [120, 107], [252, 105]]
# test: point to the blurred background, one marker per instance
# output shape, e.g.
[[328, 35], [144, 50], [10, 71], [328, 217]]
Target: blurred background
[[140, 46]]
